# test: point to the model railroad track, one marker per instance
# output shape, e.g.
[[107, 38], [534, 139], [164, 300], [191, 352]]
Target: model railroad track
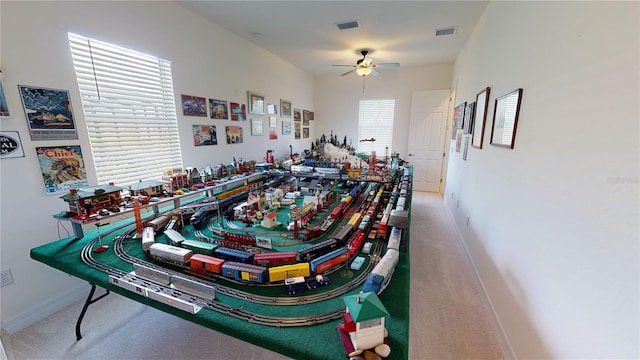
[[275, 321], [243, 295]]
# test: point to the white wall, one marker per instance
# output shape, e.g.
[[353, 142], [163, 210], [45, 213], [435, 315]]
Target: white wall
[[206, 61], [553, 223], [337, 99]]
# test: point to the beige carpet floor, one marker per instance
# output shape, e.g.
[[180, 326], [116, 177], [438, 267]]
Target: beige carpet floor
[[448, 320]]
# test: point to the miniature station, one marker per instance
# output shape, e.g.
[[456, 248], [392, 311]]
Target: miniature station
[[289, 228]]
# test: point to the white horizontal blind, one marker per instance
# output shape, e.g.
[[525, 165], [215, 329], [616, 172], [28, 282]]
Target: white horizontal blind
[[130, 112], [376, 121]]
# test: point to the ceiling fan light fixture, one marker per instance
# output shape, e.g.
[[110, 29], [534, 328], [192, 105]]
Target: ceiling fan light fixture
[[363, 71]]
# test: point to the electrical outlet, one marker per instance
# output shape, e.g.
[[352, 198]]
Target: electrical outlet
[[7, 278]]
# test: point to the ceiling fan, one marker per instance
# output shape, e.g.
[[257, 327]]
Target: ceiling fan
[[365, 66]]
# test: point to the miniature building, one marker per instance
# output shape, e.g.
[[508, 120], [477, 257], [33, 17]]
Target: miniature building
[[147, 188], [365, 320], [270, 220], [94, 198]]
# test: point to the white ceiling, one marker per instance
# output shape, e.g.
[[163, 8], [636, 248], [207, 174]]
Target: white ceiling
[[304, 32]]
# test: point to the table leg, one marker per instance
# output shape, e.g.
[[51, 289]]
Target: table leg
[[89, 301]]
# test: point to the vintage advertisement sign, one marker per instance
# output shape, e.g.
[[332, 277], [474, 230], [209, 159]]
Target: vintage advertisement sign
[[62, 168], [10, 145]]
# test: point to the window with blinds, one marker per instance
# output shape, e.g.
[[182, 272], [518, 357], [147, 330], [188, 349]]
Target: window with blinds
[[130, 112], [376, 122]]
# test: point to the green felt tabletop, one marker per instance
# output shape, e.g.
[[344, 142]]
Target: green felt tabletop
[[310, 342]]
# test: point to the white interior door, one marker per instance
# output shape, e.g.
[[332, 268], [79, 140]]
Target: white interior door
[[427, 131]]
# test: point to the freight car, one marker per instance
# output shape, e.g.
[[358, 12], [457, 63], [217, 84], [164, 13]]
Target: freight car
[[244, 272], [280, 273], [171, 254], [199, 247], [275, 258], [316, 250], [234, 255], [148, 238], [329, 260]]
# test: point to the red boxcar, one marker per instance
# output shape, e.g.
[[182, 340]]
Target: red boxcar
[[209, 263], [275, 258]]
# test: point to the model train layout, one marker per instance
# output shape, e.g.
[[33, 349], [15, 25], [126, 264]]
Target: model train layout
[[275, 238]]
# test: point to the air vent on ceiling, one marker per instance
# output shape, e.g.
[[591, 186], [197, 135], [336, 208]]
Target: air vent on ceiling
[[446, 31], [348, 25]]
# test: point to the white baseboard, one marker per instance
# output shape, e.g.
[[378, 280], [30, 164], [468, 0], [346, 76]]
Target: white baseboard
[[45, 309], [494, 320]]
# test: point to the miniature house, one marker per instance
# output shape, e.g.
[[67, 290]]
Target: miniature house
[[365, 320], [270, 220], [147, 188]]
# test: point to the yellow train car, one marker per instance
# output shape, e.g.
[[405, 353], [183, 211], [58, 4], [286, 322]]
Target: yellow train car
[[355, 219], [279, 273]]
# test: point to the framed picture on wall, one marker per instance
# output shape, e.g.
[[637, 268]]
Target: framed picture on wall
[[297, 130], [505, 119], [285, 108], [218, 109], [297, 115], [256, 103], [234, 134], [193, 105], [4, 108], [458, 117], [286, 128], [468, 118], [305, 132], [257, 127], [480, 117]]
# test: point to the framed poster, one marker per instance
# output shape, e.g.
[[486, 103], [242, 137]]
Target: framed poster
[[234, 134], [458, 116], [465, 148], [273, 122], [297, 115], [257, 127], [273, 134], [305, 132], [468, 118], [272, 109], [62, 168], [193, 105], [238, 112], [49, 113], [218, 109], [305, 117], [285, 107], [10, 145], [286, 128], [480, 117], [204, 135], [4, 108], [505, 119], [297, 130], [256, 103]]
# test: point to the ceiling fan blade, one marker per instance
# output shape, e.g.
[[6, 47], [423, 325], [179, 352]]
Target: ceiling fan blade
[[388, 65], [374, 72], [348, 72], [344, 65]]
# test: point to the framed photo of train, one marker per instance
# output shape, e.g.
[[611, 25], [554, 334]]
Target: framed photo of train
[[218, 109]]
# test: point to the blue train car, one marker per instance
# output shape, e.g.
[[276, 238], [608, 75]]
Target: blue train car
[[327, 261], [244, 272], [234, 255]]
